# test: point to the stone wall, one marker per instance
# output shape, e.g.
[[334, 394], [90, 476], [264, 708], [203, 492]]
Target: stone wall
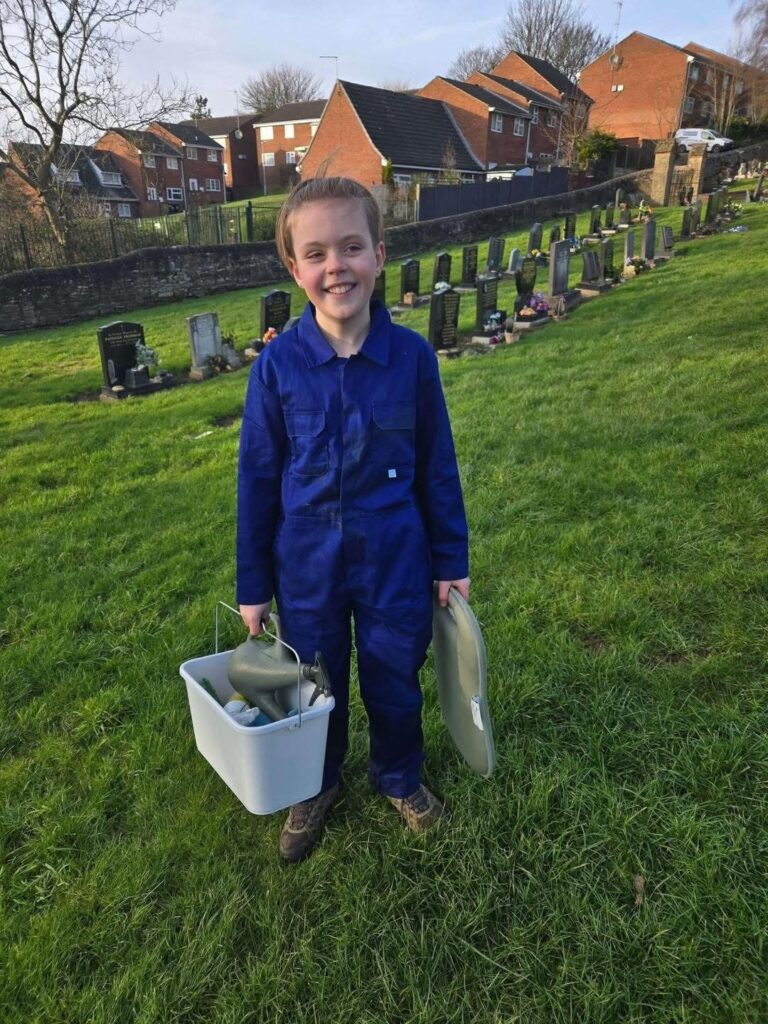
[[150, 277]]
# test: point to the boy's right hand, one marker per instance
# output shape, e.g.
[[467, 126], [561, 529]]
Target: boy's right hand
[[254, 616]]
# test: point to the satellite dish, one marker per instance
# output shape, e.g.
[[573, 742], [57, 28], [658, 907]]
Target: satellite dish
[[238, 134]]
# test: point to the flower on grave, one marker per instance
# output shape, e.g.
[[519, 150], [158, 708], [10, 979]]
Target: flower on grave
[[145, 356], [269, 334], [538, 303], [219, 364]]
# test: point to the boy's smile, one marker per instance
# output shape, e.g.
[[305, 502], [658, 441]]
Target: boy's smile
[[336, 263]]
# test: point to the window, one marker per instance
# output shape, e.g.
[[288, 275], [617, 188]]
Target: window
[[617, 88], [689, 104], [266, 133], [289, 131], [152, 194], [213, 156], [173, 194], [401, 179], [290, 157], [111, 178], [739, 85], [73, 177], [106, 209], [123, 209], [172, 163], [708, 78], [695, 73], [212, 185], [535, 115], [551, 118], [148, 159], [497, 122], [193, 184], [519, 128], [268, 159], [192, 152]]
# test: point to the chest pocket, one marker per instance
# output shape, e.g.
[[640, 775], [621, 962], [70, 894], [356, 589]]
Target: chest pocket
[[309, 442], [393, 434]]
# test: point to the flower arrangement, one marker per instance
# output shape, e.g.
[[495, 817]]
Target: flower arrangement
[[637, 263], [536, 307], [145, 356], [269, 335], [218, 364], [732, 209]]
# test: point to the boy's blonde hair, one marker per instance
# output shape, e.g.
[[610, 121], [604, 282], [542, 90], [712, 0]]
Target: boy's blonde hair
[[311, 191]]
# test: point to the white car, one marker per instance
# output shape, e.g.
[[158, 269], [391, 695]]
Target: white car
[[714, 141]]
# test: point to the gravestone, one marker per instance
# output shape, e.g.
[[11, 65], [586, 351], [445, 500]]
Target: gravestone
[[667, 240], [619, 197], [495, 255], [594, 221], [695, 217], [489, 318], [559, 265], [648, 240], [515, 259], [591, 276], [525, 282], [117, 347], [534, 238], [275, 310], [606, 259], [685, 229], [710, 209], [629, 245], [570, 226], [380, 287], [409, 277], [609, 210], [625, 217], [554, 235], [757, 191], [204, 343], [442, 268], [444, 319], [469, 265]]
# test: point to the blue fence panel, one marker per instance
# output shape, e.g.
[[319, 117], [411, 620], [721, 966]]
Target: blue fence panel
[[452, 200]]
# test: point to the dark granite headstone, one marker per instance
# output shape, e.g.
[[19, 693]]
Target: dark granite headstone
[[554, 235], [275, 310], [709, 209], [487, 301], [685, 229], [534, 238], [648, 240], [469, 265], [525, 281], [625, 217], [117, 347], [609, 211], [380, 287], [594, 221], [559, 265], [667, 239], [591, 274], [409, 277], [495, 254], [444, 319], [606, 256], [442, 268], [570, 225], [695, 217], [629, 245]]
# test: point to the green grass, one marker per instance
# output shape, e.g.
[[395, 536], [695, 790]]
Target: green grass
[[615, 476]]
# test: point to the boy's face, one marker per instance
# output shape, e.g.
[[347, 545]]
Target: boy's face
[[336, 262]]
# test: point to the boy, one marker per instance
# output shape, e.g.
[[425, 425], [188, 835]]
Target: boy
[[349, 500]]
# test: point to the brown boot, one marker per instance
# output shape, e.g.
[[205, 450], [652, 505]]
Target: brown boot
[[421, 810], [304, 825]]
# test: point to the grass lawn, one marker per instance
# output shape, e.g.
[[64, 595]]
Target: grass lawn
[[615, 475]]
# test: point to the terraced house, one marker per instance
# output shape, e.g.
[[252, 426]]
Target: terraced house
[[202, 163]]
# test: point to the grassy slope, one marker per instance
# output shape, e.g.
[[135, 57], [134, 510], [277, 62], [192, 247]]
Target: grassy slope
[[615, 476]]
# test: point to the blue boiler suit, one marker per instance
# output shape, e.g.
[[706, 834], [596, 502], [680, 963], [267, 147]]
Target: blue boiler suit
[[350, 505]]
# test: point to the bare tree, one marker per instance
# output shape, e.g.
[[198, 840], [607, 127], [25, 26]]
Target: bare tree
[[476, 58], [752, 20], [553, 30], [397, 85], [59, 64], [278, 85]]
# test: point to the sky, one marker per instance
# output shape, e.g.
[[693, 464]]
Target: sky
[[216, 45]]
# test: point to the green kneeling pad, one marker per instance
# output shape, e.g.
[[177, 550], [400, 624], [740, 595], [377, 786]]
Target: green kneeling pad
[[460, 666]]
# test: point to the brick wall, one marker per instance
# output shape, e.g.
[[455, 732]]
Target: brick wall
[[469, 113], [51, 297], [519, 70], [342, 141]]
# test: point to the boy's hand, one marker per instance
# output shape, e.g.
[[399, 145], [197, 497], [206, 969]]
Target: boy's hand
[[443, 587], [254, 616]]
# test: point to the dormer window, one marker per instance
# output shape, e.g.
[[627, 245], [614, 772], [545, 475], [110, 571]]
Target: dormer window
[[111, 178], [72, 177]]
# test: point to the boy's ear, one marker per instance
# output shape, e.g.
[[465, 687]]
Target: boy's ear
[[381, 256], [293, 270]]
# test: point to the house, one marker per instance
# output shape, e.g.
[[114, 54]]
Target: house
[[494, 126], [202, 162], [152, 167], [543, 131], [365, 131], [646, 88], [283, 137], [90, 181], [235, 134]]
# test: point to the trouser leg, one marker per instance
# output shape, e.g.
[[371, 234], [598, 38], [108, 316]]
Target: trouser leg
[[391, 649]]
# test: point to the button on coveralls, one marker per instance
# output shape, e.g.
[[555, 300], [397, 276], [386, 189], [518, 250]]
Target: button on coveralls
[[350, 505]]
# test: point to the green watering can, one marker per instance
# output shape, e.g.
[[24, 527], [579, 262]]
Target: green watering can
[[258, 669]]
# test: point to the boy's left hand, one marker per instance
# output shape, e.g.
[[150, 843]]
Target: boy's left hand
[[444, 586]]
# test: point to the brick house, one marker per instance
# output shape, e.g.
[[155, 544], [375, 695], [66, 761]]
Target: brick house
[[283, 136], [240, 159], [495, 128], [153, 168], [364, 128], [544, 125], [202, 162], [646, 88], [92, 181]]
